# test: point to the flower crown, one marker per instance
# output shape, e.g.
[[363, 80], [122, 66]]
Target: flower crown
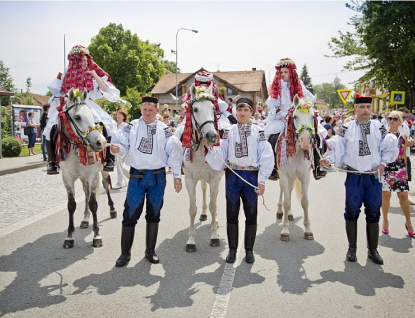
[[77, 93], [79, 49], [286, 62], [304, 105], [202, 95]]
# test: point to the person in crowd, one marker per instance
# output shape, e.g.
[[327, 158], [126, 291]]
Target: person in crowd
[[82, 73], [395, 178], [150, 147], [328, 120], [32, 137], [121, 117], [43, 123], [384, 120], [229, 113], [285, 86], [254, 165], [168, 121], [257, 119], [335, 125], [364, 147]]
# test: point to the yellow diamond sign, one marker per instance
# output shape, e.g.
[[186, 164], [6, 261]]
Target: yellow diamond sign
[[344, 94]]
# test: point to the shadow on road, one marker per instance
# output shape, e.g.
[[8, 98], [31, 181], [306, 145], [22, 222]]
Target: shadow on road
[[290, 256], [35, 261]]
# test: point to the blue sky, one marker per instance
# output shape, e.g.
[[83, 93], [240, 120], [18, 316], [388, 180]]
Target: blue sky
[[233, 35]]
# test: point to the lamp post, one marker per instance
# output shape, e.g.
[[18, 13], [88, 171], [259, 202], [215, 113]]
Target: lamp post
[[177, 93]]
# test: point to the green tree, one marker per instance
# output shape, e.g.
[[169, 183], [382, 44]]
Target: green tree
[[6, 81], [306, 79], [131, 63], [170, 67], [383, 43], [328, 92]]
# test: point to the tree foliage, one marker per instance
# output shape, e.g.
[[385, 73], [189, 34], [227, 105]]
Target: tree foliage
[[328, 92], [6, 81], [306, 79], [131, 62], [383, 43]]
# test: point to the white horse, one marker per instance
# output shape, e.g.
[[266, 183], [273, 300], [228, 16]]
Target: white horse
[[202, 111], [84, 142], [294, 163]]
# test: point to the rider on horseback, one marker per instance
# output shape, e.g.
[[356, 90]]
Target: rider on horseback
[[283, 89]]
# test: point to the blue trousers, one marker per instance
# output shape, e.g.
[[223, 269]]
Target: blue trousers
[[43, 146], [148, 186], [32, 140], [363, 189], [236, 190]]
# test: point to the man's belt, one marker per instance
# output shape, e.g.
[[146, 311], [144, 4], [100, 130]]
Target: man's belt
[[238, 167], [355, 171], [142, 172]]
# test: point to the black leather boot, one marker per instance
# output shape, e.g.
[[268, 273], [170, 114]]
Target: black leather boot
[[152, 230], [274, 175], [233, 233], [372, 234], [317, 172], [127, 239], [51, 169], [250, 234], [109, 158], [351, 230]]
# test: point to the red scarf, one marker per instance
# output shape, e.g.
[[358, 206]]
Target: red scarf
[[294, 85]]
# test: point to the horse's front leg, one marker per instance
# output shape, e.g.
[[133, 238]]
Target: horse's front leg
[[280, 212], [203, 216], [106, 185], [191, 190], [69, 183], [93, 207], [214, 189], [285, 188], [87, 214], [308, 233]]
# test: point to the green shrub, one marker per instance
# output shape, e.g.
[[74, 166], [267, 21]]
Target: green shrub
[[10, 147]]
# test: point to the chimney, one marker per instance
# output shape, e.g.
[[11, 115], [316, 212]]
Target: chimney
[[254, 68]]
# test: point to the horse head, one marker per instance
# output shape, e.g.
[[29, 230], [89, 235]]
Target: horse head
[[203, 112], [303, 119], [82, 123]]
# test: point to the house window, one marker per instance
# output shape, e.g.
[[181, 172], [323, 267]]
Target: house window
[[230, 91]]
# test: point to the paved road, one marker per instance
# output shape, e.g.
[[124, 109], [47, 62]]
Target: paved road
[[38, 278]]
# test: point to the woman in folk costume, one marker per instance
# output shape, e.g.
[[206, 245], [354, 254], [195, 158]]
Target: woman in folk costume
[[82, 73], [282, 91]]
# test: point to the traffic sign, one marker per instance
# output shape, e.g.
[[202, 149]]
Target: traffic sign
[[397, 97], [344, 94]]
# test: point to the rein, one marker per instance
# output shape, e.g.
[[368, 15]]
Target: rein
[[198, 128]]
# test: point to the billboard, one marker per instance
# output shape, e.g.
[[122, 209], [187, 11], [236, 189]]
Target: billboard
[[20, 121]]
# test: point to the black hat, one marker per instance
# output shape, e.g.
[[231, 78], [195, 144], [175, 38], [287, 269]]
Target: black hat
[[359, 99], [149, 99], [245, 101]]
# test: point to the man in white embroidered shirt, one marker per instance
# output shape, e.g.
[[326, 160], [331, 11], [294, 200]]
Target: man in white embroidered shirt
[[151, 147], [364, 148]]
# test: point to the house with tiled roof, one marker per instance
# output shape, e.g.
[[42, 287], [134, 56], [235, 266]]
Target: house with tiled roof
[[250, 84]]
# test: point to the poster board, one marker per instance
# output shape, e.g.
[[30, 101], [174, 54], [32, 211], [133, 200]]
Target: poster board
[[20, 121]]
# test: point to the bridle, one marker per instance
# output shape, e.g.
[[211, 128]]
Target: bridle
[[198, 127]]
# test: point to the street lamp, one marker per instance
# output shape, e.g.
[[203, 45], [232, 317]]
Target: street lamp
[[177, 93]]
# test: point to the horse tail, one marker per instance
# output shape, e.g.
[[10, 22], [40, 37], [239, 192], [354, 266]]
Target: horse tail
[[298, 192]]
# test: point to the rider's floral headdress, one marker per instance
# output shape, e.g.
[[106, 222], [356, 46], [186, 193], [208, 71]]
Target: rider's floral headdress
[[76, 75], [295, 83], [202, 95]]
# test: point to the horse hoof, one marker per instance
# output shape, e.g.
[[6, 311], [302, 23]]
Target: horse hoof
[[290, 217], [190, 248], [285, 237], [68, 244], [84, 225], [97, 242], [203, 217], [308, 236], [113, 214], [279, 215], [214, 242]]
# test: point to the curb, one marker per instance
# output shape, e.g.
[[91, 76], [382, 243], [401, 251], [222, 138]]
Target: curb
[[22, 168]]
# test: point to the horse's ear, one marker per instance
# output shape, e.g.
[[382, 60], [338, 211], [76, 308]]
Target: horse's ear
[[209, 90], [313, 100], [193, 90], [85, 93], [70, 94], [296, 100]]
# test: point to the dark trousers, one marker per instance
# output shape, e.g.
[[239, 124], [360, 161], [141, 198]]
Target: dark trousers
[[236, 189], [363, 189], [32, 140], [43, 146], [149, 187]]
